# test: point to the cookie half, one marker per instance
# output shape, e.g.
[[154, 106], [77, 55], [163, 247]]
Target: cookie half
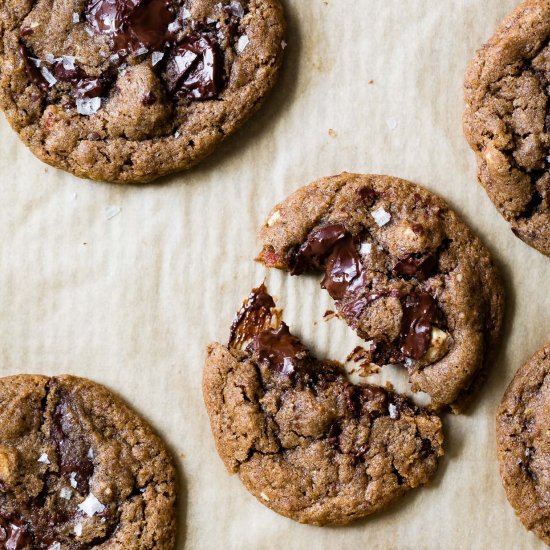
[[305, 442], [506, 120], [79, 469], [127, 91], [523, 443], [405, 273]]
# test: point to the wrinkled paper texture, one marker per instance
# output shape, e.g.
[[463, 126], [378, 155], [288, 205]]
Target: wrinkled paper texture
[[127, 285]]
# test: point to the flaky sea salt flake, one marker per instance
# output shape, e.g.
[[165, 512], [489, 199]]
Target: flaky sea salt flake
[[365, 249], [50, 78], [242, 43], [283, 44], [111, 211], [44, 459], [90, 453], [381, 216], [78, 529], [68, 62], [76, 17], [156, 57], [88, 105], [91, 506], [72, 480], [141, 51], [89, 31], [55, 546], [65, 493], [49, 57], [35, 61], [391, 122], [392, 409]]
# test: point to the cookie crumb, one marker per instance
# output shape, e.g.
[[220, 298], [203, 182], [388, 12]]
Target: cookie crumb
[[332, 133]]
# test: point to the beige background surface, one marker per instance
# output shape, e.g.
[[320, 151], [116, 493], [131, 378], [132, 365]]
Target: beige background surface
[[131, 301]]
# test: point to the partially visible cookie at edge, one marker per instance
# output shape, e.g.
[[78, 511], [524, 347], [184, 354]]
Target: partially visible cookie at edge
[[405, 273], [305, 441], [79, 469], [506, 120], [126, 91], [523, 443]]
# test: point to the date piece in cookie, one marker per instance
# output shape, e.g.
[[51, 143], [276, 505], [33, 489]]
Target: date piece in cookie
[[79, 469], [523, 443], [129, 90], [507, 121], [305, 441], [405, 273]]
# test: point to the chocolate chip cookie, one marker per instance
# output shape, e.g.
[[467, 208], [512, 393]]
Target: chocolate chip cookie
[[405, 273], [305, 442], [507, 121], [129, 90], [523, 442], [79, 469]]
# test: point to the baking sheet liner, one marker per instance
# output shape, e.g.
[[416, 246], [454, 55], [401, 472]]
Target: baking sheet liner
[[127, 285]]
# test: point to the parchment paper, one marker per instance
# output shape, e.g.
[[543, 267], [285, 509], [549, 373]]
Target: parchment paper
[[127, 285]]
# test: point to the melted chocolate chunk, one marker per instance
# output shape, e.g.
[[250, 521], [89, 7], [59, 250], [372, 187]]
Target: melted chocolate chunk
[[133, 24], [32, 71], [421, 267], [367, 195], [342, 268], [255, 316], [13, 534], [420, 313], [90, 87], [319, 244], [73, 453], [280, 349], [67, 75], [194, 68], [149, 99]]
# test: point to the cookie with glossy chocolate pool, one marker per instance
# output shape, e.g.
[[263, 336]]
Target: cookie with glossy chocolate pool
[[506, 120], [523, 443], [305, 441], [405, 273], [129, 90], [79, 469]]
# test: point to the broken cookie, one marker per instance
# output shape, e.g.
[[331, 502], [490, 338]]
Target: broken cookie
[[404, 271], [305, 441]]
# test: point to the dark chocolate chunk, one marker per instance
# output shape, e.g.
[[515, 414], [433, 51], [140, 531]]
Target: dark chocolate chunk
[[26, 31], [280, 349], [32, 71], [367, 195], [73, 453], [67, 75], [343, 267], [194, 68], [419, 266], [90, 87], [255, 316], [133, 24], [420, 313], [149, 99], [312, 253], [13, 534]]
